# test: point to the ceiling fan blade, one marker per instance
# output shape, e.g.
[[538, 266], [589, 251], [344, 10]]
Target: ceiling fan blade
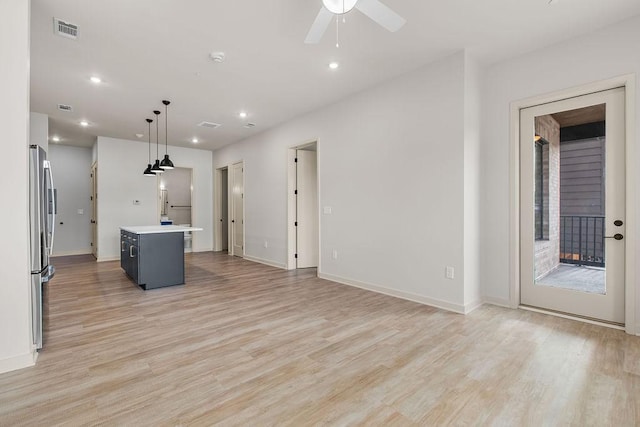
[[381, 14], [319, 26]]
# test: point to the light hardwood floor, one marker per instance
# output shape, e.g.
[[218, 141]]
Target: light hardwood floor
[[247, 344]]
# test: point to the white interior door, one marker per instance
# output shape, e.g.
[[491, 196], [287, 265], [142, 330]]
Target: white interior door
[[237, 201], [572, 204], [94, 210], [306, 209]]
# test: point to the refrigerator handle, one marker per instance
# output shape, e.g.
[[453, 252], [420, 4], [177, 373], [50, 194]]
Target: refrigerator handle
[[54, 206]]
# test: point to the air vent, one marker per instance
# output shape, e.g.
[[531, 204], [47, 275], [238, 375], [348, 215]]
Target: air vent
[[209, 125], [64, 107], [65, 29], [249, 125]]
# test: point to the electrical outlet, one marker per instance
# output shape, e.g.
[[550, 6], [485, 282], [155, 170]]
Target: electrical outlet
[[266, 244], [80, 211], [334, 255], [327, 210], [449, 272]]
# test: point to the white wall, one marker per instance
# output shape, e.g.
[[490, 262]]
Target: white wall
[[472, 167], [15, 320], [120, 182], [39, 130], [391, 166], [71, 167], [604, 54]]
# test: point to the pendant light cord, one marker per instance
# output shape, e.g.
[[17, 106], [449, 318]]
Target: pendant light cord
[[157, 136], [149, 121], [166, 135]]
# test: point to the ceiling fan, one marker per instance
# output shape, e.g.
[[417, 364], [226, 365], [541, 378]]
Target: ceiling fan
[[374, 9]]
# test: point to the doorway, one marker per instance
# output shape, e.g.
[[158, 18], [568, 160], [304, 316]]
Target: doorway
[[175, 194], [303, 228], [573, 206], [94, 210], [236, 202]]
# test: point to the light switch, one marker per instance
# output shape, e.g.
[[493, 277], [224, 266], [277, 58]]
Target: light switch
[[80, 211], [327, 210]]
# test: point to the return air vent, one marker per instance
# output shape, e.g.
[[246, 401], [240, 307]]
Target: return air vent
[[209, 125], [249, 125], [65, 29], [64, 107]]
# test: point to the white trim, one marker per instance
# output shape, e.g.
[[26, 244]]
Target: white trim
[[444, 305], [107, 259], [266, 262], [472, 306], [70, 253], [500, 302], [193, 251], [18, 362], [631, 305], [628, 81], [570, 317], [217, 195]]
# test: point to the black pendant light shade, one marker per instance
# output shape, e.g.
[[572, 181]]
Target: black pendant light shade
[[156, 166], [166, 163], [147, 171]]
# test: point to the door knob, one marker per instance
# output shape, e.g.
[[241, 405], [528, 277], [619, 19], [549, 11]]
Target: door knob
[[616, 236], [233, 220], [617, 223]]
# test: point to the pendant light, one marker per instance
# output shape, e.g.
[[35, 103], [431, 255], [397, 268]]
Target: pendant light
[[166, 163], [147, 171], [156, 166]]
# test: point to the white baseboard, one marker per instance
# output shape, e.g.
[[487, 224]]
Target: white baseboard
[[265, 262], [433, 302], [210, 249], [468, 308], [105, 259], [500, 302], [18, 362], [70, 253]]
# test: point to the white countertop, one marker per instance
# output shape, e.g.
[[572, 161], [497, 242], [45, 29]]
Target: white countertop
[[152, 229]]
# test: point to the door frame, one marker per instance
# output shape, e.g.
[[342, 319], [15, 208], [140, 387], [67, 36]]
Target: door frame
[[218, 210], [291, 204], [94, 209], [230, 207], [628, 82]]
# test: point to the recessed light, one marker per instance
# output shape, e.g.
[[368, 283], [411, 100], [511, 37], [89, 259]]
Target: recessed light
[[333, 65], [243, 114], [84, 123], [96, 79], [552, 2], [56, 139], [194, 140]]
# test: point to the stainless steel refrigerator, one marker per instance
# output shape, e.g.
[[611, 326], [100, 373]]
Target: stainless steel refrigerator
[[42, 207]]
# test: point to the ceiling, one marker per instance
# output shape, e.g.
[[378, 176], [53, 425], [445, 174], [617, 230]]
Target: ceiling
[[581, 116], [149, 50]]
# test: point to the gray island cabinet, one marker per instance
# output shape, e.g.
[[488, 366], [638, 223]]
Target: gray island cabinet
[[153, 256]]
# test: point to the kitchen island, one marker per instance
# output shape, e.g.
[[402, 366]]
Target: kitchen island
[[153, 255]]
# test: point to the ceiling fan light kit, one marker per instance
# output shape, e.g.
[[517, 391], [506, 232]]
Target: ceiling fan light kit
[[339, 6], [374, 9]]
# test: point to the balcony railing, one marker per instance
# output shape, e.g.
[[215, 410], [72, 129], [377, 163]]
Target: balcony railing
[[582, 240]]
